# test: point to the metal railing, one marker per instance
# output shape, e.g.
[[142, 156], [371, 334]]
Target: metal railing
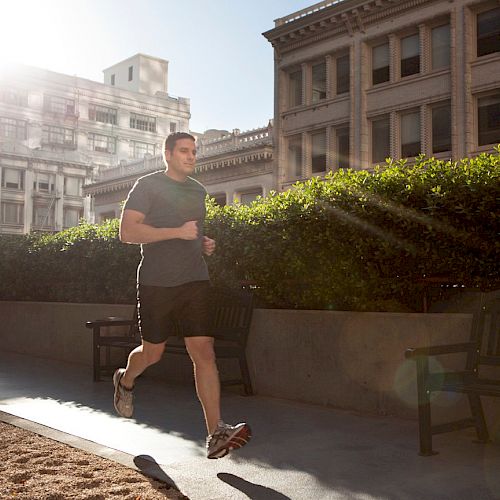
[[305, 12]]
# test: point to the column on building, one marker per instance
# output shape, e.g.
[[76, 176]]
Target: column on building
[[59, 199]]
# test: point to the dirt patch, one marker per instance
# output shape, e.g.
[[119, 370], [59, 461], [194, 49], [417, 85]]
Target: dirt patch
[[36, 467]]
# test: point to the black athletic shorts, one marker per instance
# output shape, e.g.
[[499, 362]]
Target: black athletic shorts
[[159, 307]]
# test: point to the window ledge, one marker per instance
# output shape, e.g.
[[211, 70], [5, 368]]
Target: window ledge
[[408, 79], [319, 104], [487, 59], [488, 148]]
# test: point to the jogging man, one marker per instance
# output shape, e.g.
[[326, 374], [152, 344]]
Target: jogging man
[[164, 213]]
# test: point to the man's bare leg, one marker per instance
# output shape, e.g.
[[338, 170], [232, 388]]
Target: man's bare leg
[[139, 359], [123, 379], [206, 376]]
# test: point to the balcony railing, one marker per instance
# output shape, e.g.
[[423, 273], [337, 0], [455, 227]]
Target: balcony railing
[[305, 12]]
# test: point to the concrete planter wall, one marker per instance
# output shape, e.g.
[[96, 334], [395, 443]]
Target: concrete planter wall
[[344, 359]]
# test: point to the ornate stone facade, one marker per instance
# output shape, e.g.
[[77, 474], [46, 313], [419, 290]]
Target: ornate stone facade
[[58, 131], [399, 77]]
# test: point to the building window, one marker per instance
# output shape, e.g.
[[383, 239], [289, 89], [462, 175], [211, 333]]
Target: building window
[[489, 120], [57, 104], [103, 114], [130, 73], [12, 128], [342, 135], [410, 134], [247, 197], [381, 139], [43, 216], [295, 156], [112, 79], [173, 127], [73, 186], [44, 182], [343, 78], [140, 149], [488, 32], [58, 136], [71, 216], [295, 88], [318, 151], [380, 64], [220, 199], [410, 55], [102, 143], [14, 96], [12, 213], [143, 122], [318, 82], [440, 41], [107, 216], [12, 178], [441, 128]]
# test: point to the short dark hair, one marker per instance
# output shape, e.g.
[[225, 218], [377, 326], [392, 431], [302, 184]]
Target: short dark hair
[[170, 141]]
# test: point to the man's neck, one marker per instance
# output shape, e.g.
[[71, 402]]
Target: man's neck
[[176, 177]]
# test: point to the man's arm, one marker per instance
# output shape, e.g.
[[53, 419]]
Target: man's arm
[[134, 230]]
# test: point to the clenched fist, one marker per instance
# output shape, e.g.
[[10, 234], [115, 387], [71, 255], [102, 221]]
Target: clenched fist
[[208, 245], [189, 230]]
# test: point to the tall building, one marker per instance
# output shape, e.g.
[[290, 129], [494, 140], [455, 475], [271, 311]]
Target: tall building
[[357, 81], [236, 166], [58, 132]]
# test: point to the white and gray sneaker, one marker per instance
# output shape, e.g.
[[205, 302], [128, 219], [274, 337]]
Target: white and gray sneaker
[[227, 438], [123, 398]]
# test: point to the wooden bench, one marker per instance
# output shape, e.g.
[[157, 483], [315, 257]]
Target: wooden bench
[[231, 318], [479, 377]]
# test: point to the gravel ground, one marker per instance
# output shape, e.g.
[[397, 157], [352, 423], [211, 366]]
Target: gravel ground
[[38, 468]]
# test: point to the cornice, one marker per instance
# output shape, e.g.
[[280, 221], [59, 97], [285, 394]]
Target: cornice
[[38, 159], [109, 187], [180, 109], [346, 17], [264, 154], [242, 171]]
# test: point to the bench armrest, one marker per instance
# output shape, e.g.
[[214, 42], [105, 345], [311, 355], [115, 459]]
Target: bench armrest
[[111, 321], [436, 350]]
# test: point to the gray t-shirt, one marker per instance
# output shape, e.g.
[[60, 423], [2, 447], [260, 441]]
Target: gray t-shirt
[[169, 203]]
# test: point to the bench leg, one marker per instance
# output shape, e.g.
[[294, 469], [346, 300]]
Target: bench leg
[[96, 354], [245, 375], [478, 415], [424, 408]]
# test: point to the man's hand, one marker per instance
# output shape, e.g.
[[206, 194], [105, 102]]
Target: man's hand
[[189, 230], [208, 245]]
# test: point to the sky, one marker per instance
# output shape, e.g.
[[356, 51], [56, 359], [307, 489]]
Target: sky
[[217, 55]]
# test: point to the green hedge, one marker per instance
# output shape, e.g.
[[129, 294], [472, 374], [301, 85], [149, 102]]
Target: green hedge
[[354, 241], [361, 241], [86, 263]]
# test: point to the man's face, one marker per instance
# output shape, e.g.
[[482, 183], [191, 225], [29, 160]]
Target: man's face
[[182, 159]]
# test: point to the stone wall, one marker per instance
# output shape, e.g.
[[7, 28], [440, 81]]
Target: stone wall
[[347, 360]]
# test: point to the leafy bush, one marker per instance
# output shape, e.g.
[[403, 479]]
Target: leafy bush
[[86, 263], [354, 241], [361, 241]]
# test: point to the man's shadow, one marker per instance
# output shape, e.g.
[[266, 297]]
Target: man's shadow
[[252, 490], [149, 467]]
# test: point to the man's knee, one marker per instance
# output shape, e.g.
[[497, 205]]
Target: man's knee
[[152, 352], [200, 349]]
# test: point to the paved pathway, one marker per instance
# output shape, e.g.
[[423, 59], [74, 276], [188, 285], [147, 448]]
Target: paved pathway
[[298, 451]]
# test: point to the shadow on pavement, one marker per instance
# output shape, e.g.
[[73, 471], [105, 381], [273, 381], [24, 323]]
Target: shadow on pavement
[[252, 490], [149, 467]]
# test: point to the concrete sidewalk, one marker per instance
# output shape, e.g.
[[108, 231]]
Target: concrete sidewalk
[[298, 451]]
